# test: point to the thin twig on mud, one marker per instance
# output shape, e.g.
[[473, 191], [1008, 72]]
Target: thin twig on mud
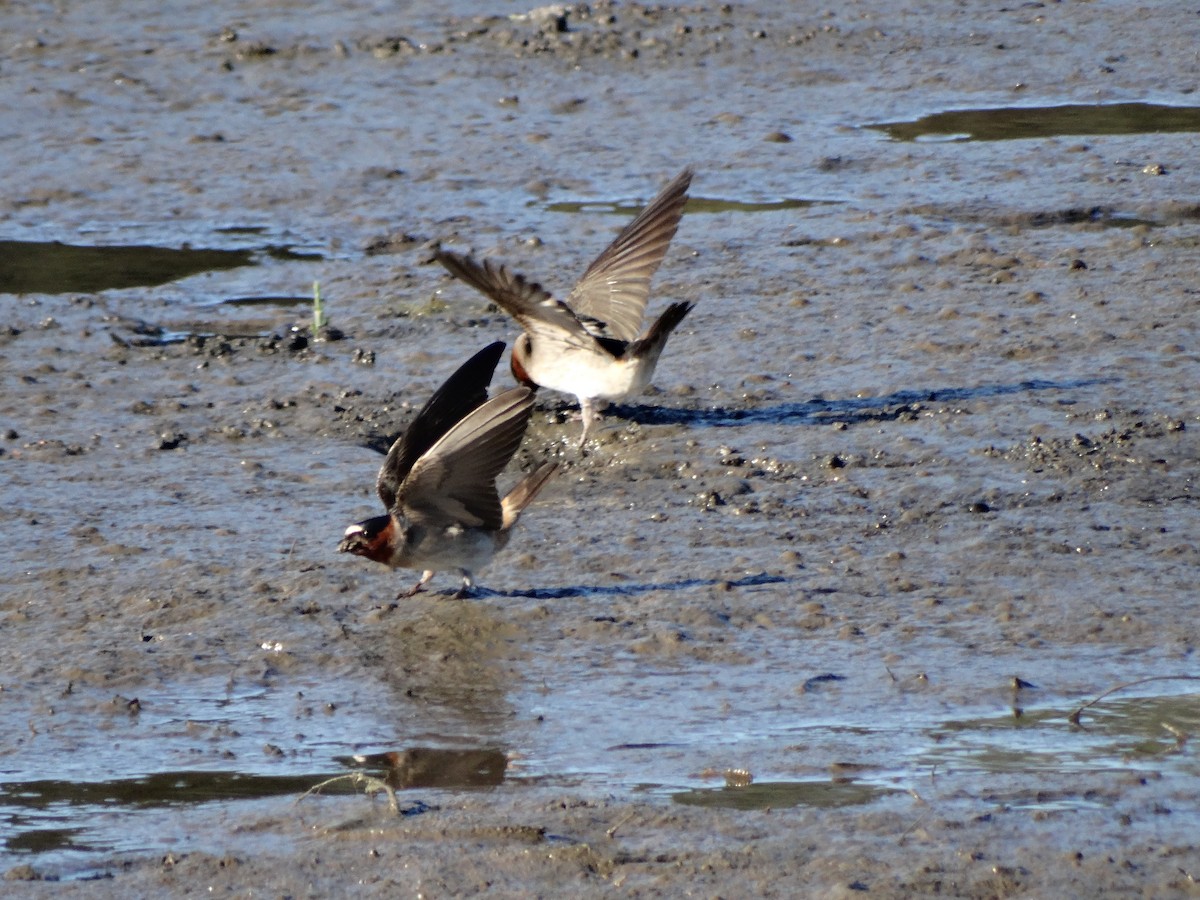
[[1073, 718], [1181, 736], [611, 832], [369, 784], [920, 819]]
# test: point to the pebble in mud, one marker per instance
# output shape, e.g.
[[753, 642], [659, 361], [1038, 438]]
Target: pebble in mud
[[171, 440]]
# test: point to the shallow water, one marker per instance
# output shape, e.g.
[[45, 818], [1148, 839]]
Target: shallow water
[[1026, 122], [694, 205], [54, 268], [781, 750]]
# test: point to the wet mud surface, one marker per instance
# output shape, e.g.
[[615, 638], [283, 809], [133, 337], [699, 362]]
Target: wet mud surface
[[917, 478]]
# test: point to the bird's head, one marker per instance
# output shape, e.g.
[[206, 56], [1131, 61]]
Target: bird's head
[[371, 538], [519, 361]]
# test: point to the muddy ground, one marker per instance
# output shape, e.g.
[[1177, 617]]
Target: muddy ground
[[916, 480]]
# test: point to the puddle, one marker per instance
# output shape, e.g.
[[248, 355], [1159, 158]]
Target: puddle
[[241, 229], [49, 816], [270, 300], [783, 794], [50, 267], [432, 767], [54, 268], [209, 742], [1133, 734], [1018, 123], [93, 779], [694, 205], [63, 822], [290, 254]]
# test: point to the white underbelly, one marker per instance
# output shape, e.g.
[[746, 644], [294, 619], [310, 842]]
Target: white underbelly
[[587, 374], [452, 548]]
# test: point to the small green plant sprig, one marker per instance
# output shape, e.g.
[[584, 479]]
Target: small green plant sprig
[[318, 320]]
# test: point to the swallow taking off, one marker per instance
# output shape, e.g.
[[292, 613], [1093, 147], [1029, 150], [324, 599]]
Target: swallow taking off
[[591, 345], [438, 482]]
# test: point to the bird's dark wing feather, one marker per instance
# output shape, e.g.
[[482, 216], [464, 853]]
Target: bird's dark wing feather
[[454, 483], [462, 392], [548, 322], [615, 287]]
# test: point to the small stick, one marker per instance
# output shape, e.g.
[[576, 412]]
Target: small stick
[[371, 785], [612, 831], [1073, 718]]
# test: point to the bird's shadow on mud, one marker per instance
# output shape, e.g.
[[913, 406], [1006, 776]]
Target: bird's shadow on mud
[[626, 590], [820, 411]]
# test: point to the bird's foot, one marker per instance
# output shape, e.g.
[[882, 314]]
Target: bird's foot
[[416, 588], [467, 589]]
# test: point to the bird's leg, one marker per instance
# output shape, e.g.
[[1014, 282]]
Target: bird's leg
[[412, 591], [589, 413]]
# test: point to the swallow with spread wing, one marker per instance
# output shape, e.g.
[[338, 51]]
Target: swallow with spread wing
[[592, 344], [438, 482]]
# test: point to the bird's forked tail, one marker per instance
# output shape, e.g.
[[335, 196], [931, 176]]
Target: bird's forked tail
[[656, 336], [522, 495]]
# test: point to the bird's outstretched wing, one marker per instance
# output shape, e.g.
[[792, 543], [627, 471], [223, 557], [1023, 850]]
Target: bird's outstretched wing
[[549, 322], [454, 482], [613, 291], [462, 392]]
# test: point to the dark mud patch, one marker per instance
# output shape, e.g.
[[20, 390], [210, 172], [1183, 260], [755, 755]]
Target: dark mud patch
[[626, 589], [211, 340]]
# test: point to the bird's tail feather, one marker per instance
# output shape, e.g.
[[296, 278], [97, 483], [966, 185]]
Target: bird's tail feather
[[656, 337], [522, 495]]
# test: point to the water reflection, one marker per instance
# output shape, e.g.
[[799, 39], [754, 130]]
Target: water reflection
[[28, 267], [51, 267], [783, 794], [1129, 733], [694, 205], [1024, 122], [432, 767]]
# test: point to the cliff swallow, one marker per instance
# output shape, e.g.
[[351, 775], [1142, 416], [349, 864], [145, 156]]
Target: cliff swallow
[[591, 345], [438, 482]]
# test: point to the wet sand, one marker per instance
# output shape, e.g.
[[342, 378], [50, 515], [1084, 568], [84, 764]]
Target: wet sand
[[916, 480]]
